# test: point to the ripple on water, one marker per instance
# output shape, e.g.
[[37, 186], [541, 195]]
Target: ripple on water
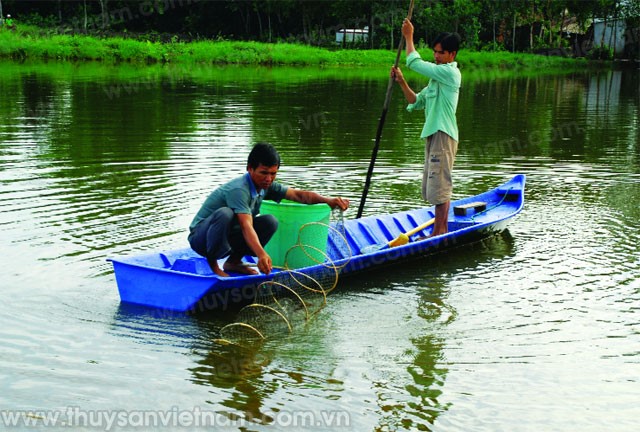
[[539, 326]]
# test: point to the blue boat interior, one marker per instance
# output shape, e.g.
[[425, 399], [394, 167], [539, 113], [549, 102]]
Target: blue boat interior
[[501, 202]]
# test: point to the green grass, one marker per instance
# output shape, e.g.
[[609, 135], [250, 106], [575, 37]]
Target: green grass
[[31, 43]]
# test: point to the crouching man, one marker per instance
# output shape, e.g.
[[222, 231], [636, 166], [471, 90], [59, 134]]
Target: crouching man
[[229, 223]]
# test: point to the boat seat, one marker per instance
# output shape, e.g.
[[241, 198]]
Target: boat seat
[[166, 262], [193, 265], [477, 206]]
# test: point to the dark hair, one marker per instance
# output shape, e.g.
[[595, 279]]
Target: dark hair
[[263, 153], [449, 41]]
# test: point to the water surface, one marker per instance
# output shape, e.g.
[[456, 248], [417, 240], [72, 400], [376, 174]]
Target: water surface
[[536, 329]]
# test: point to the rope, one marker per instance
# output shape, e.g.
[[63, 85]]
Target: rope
[[492, 207]]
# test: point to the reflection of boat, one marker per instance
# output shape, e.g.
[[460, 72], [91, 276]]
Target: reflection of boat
[[181, 280]]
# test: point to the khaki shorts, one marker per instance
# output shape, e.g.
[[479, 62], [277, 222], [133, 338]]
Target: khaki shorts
[[439, 153]]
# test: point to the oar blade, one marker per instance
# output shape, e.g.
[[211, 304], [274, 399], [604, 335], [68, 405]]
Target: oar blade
[[401, 240], [373, 248]]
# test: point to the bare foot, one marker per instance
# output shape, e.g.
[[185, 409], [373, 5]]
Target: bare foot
[[239, 267], [417, 239], [213, 263]]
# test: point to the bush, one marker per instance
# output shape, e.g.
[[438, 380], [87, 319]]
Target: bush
[[493, 47], [601, 53]]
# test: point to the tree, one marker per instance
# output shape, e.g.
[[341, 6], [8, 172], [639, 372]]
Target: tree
[[315, 21], [467, 14], [437, 17]]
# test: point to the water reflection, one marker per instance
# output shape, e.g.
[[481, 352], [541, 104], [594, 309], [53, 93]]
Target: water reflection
[[297, 365], [562, 117], [163, 115], [243, 371], [147, 325], [399, 332]]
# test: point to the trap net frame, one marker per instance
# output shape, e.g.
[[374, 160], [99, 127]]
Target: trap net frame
[[291, 297]]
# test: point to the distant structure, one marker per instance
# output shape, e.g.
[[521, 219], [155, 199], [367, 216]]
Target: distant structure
[[610, 33], [614, 34], [619, 31], [352, 35]]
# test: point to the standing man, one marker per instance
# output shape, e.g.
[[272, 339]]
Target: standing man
[[229, 223], [440, 101]]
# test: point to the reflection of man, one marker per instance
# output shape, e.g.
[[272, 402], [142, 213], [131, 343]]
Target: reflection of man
[[440, 101], [229, 224]]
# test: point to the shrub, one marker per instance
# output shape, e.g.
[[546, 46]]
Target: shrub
[[601, 53]]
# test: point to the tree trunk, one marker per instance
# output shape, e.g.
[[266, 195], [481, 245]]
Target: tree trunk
[[531, 36], [604, 30], [612, 36], [513, 36], [564, 11], [494, 32], [304, 25], [104, 13], [550, 15], [393, 15], [533, 15], [259, 26], [245, 19], [371, 21], [85, 16]]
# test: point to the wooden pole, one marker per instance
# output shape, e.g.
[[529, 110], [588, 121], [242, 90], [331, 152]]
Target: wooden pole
[[383, 116]]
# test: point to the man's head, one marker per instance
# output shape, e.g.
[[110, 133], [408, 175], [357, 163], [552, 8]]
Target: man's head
[[445, 47], [263, 164], [265, 154]]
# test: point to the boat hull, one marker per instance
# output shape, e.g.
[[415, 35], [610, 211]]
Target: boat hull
[[181, 280]]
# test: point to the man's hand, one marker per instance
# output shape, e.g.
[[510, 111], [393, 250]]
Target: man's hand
[[252, 240], [407, 29], [264, 263], [396, 74], [409, 94], [309, 197], [340, 202]]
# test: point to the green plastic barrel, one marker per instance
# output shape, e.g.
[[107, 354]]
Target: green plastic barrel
[[301, 238]]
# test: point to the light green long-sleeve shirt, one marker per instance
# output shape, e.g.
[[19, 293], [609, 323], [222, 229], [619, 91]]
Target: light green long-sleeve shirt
[[439, 99]]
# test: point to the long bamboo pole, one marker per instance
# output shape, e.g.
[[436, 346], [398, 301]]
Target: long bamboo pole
[[383, 116]]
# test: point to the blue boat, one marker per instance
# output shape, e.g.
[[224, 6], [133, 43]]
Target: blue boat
[[181, 280]]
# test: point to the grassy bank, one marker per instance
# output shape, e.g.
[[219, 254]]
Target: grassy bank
[[32, 44]]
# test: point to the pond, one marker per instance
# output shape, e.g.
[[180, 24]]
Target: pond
[[535, 329]]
